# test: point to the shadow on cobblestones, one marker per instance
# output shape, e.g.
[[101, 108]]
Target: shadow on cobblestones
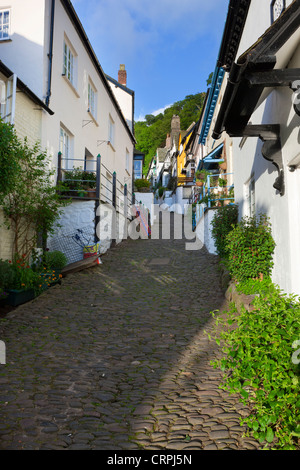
[[116, 358]]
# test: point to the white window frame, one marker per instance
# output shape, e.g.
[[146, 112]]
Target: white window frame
[[111, 131], [127, 158], [8, 99], [250, 196], [2, 13], [69, 62], [92, 99], [65, 147]]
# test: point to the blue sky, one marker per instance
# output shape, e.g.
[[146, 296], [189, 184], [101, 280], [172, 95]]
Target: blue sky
[[169, 47]]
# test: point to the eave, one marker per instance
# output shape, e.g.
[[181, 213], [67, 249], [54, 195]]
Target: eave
[[24, 88], [251, 79]]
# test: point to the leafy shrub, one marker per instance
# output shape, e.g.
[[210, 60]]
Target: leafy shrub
[[18, 274], [55, 259], [250, 247], [259, 364], [77, 179], [141, 183], [161, 191], [225, 218]]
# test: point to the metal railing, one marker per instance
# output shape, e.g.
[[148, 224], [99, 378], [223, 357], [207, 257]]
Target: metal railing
[[209, 195]]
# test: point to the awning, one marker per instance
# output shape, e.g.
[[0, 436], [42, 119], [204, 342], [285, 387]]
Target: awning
[[214, 154]]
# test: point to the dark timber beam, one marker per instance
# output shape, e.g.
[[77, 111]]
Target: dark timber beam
[[271, 149], [274, 78]]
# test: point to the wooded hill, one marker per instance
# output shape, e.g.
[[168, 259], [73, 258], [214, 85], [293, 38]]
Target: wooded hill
[[151, 133]]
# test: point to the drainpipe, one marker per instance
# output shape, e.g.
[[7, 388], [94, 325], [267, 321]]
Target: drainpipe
[[50, 54]]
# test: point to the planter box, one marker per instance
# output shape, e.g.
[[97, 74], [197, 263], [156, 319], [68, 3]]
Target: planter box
[[19, 296]]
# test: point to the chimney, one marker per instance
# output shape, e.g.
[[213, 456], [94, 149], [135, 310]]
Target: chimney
[[122, 75]]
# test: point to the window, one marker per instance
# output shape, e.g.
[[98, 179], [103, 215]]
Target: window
[[92, 101], [111, 131], [69, 63], [65, 139], [4, 24], [250, 197], [8, 99], [277, 7], [127, 161]]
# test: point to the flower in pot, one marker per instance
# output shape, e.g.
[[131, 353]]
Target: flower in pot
[[18, 280]]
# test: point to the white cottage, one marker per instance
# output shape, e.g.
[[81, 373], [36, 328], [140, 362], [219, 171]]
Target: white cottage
[[50, 52]]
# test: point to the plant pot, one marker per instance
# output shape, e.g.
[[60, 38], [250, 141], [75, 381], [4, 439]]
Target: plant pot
[[19, 296], [91, 193], [199, 183], [223, 166]]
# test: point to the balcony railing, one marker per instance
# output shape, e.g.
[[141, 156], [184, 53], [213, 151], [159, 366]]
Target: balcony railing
[[210, 195], [78, 183]]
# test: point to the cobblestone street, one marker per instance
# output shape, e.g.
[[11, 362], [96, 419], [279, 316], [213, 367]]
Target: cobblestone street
[[116, 358]]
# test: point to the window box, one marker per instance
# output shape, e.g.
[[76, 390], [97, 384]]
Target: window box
[[19, 296]]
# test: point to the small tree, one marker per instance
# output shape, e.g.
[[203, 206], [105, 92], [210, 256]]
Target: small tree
[[32, 205], [9, 162], [224, 220]]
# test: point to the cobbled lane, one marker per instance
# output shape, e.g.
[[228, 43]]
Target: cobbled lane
[[117, 358]]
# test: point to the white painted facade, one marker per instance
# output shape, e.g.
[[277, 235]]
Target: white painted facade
[[255, 176]]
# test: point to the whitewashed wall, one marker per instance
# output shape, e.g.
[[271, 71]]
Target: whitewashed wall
[[248, 161]]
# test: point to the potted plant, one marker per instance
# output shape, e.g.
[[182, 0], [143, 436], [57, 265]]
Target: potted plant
[[55, 261], [222, 182], [19, 281]]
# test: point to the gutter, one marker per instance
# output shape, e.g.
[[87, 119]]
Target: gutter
[[50, 54]]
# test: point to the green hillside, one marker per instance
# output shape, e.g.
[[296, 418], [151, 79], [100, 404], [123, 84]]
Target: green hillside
[[151, 133]]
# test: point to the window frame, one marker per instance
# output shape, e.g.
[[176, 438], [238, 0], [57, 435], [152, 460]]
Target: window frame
[[111, 131], [69, 62], [66, 156], [92, 103]]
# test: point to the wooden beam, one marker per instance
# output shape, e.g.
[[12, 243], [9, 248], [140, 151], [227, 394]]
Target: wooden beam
[[274, 78]]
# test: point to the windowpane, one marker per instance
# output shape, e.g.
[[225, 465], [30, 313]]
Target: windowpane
[[4, 24], [68, 64]]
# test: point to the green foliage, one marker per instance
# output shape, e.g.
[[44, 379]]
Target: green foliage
[[161, 191], [260, 364], [224, 220], [17, 274], [33, 205], [151, 133], [250, 247], [9, 161], [222, 182], [55, 259], [78, 179]]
